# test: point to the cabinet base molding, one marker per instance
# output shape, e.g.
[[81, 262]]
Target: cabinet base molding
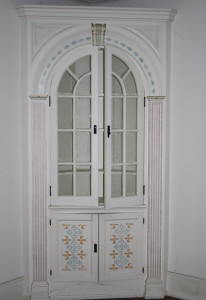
[[93, 290], [40, 291], [154, 289], [186, 287]]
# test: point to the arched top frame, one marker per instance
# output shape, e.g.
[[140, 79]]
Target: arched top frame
[[138, 48]]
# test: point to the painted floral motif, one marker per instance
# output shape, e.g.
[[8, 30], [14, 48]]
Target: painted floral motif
[[85, 40], [121, 240], [74, 253]]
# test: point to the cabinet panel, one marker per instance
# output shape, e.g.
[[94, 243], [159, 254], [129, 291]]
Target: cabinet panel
[[121, 246], [72, 247]]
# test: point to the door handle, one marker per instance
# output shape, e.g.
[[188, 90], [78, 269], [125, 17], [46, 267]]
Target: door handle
[[95, 248], [95, 129], [108, 131]]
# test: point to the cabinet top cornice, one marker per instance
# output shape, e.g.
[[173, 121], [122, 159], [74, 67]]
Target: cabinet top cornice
[[97, 13]]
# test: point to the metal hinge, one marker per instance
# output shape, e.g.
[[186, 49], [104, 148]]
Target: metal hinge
[[50, 191], [144, 189], [50, 272], [143, 270], [50, 222], [49, 101], [143, 220], [144, 101]]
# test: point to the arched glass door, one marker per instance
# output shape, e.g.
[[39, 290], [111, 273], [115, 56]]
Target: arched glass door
[[97, 132]]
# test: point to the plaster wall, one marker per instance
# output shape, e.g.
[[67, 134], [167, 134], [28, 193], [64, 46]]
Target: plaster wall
[[11, 262]]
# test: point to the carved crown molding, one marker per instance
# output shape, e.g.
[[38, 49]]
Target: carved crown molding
[[87, 12]]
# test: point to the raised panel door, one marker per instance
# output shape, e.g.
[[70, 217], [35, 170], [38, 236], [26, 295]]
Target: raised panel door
[[72, 248], [122, 246]]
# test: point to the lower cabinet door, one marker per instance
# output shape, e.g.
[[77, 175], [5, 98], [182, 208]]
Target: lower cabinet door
[[122, 246], [97, 255], [73, 245]]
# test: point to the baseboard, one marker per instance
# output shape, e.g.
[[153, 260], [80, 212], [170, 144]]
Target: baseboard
[[186, 287], [12, 290]]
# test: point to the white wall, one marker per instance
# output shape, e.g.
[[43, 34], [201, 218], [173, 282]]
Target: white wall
[[187, 239], [187, 253], [11, 263]]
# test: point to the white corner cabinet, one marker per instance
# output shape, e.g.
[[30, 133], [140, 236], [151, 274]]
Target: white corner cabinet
[[94, 84]]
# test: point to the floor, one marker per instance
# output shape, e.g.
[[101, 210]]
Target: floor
[[166, 298]]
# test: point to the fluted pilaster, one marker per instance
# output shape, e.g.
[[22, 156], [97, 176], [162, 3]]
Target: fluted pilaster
[[39, 195], [154, 285]]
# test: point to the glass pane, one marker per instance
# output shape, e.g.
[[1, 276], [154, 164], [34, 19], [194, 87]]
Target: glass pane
[[83, 180], [131, 180], [130, 85], [65, 180], [67, 84], [81, 66], [131, 147], [118, 66], [84, 86], [117, 142], [131, 109], [117, 113], [65, 113], [65, 143], [116, 87], [83, 113], [83, 147], [117, 181]]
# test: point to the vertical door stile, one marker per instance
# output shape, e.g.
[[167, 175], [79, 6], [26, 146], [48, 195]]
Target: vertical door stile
[[124, 142], [107, 154], [95, 255], [94, 114], [74, 144]]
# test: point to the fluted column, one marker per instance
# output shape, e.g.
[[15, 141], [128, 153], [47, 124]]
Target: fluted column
[[154, 284], [39, 196]]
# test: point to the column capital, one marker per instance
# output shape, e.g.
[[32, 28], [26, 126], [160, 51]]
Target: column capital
[[155, 98], [38, 97]]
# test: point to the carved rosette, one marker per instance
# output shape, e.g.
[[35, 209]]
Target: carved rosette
[[155, 138], [39, 186]]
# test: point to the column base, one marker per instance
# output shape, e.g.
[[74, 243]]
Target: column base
[[40, 291], [154, 289]]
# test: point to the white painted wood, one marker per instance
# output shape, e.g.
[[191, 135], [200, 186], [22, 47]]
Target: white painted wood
[[39, 187], [154, 289], [186, 287], [122, 247], [103, 290], [40, 291], [117, 14], [12, 290], [75, 200], [51, 56], [96, 210], [66, 276], [72, 257], [154, 283], [123, 201]]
